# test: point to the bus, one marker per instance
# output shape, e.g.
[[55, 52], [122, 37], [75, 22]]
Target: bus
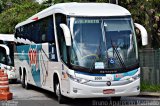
[[80, 50], [7, 55]]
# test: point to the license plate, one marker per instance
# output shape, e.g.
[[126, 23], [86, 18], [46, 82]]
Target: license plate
[[109, 91]]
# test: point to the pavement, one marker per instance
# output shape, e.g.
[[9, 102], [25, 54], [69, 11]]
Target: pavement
[[149, 94]]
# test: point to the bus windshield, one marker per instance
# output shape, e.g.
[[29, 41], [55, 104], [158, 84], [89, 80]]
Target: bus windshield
[[2, 55], [103, 43], [4, 58]]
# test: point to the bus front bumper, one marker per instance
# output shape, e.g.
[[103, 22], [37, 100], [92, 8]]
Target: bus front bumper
[[78, 90]]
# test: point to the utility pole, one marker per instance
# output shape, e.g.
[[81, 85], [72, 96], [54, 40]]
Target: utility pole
[[114, 1]]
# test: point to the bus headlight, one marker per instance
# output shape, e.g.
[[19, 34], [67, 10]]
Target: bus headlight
[[79, 80], [134, 77]]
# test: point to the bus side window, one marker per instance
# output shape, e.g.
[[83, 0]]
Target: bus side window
[[18, 34], [45, 30], [50, 30], [43, 37], [60, 18]]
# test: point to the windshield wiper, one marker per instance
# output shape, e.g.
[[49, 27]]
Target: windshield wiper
[[118, 55]]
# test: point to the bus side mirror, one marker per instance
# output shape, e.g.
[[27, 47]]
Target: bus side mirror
[[67, 34], [144, 35]]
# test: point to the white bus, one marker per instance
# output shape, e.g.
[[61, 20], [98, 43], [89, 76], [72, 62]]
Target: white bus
[[80, 50], [7, 55]]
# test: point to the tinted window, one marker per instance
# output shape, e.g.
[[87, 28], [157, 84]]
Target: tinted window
[[2, 55], [60, 18], [40, 31]]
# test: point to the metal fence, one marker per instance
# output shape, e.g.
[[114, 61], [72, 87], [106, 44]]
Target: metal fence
[[150, 66]]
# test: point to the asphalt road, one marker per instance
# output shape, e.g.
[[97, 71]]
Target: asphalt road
[[40, 97]]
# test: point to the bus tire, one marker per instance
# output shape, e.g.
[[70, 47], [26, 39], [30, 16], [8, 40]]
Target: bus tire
[[61, 98], [24, 81], [13, 81], [27, 86], [20, 74]]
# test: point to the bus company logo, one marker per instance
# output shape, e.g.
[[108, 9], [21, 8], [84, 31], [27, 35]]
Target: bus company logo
[[32, 54], [109, 77], [119, 75]]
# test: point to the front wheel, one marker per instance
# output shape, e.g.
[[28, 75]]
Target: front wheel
[[61, 98]]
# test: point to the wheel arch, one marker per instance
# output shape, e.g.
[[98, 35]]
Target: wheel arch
[[56, 78]]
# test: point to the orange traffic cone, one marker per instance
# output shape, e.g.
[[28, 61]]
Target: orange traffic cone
[[4, 86]]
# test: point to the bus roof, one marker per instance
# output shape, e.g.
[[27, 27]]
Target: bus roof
[[7, 37], [80, 9]]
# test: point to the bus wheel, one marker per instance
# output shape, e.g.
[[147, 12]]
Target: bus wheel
[[115, 98], [24, 82], [61, 98], [13, 81]]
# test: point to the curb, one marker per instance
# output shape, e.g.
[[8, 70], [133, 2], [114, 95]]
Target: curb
[[149, 94]]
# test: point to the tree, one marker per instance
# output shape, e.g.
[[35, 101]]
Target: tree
[[146, 12], [17, 13]]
